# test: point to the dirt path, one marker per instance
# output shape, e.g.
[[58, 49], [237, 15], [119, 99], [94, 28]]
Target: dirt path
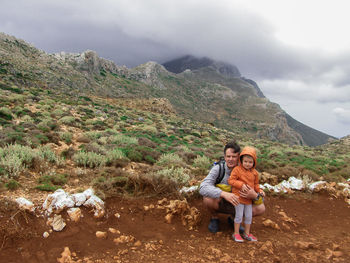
[[312, 229]]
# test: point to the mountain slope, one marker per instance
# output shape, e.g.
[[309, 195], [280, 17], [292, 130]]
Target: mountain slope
[[211, 92]]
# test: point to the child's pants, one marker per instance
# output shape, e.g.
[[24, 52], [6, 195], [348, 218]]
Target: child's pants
[[248, 212]]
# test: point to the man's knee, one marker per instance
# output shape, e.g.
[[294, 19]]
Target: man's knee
[[258, 210], [211, 203]]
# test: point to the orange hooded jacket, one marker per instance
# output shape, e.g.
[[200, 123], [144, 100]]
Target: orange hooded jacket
[[240, 176]]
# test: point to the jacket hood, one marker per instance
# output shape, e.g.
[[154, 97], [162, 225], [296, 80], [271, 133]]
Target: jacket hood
[[248, 150]]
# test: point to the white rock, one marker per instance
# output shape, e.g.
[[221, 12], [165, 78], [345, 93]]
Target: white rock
[[58, 223], [313, 185], [79, 198], [57, 201], [189, 189], [295, 184], [46, 235], [25, 204], [97, 204], [88, 193]]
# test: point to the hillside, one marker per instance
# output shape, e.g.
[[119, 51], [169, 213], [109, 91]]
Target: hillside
[[213, 94], [118, 145]]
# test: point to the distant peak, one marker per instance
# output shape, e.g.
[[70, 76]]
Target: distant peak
[[181, 64]]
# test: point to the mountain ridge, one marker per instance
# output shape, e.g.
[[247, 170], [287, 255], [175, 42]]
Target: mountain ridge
[[204, 93]]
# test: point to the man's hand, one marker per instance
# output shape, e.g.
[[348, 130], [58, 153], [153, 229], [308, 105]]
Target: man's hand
[[248, 193], [230, 197]]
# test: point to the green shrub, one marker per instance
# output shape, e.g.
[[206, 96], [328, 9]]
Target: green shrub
[[89, 159], [15, 158], [67, 120], [123, 140], [114, 155], [170, 160], [47, 187], [12, 184], [66, 137], [46, 153], [5, 113], [57, 179], [178, 175], [202, 162], [134, 155]]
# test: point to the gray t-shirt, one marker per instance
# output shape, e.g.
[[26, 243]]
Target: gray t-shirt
[[208, 188]]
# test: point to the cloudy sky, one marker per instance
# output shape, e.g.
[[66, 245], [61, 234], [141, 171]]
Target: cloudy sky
[[297, 51]]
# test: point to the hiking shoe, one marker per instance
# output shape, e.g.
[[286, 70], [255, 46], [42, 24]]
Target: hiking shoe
[[249, 237], [214, 225], [237, 238], [231, 223]]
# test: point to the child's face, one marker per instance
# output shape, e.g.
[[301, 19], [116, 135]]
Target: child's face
[[247, 162]]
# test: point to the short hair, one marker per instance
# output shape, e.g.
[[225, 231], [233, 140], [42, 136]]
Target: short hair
[[232, 145]]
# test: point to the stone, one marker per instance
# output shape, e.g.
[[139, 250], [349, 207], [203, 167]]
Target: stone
[[46, 235], [270, 223], [65, 256], [113, 230], [267, 247], [137, 243], [97, 204], [58, 223], [79, 199], [57, 201], [168, 218], [304, 245], [25, 205], [74, 214], [100, 234]]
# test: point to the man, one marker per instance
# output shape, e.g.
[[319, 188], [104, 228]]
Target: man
[[217, 200]]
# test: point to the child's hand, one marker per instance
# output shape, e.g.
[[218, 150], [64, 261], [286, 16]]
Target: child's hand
[[244, 188], [262, 193]]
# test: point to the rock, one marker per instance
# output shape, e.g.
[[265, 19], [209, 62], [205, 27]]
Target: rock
[[137, 243], [267, 247], [268, 178], [74, 214], [100, 234], [57, 201], [304, 245], [97, 204], [124, 239], [58, 223], [117, 215], [270, 223], [65, 256], [113, 230], [46, 235], [79, 198], [168, 218], [25, 204], [333, 254]]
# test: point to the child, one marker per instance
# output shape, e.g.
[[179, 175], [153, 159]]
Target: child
[[242, 176]]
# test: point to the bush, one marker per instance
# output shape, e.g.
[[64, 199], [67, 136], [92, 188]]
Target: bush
[[66, 137], [123, 140], [45, 153], [89, 159], [15, 158], [12, 184], [177, 175], [114, 155], [170, 160], [5, 113], [67, 120], [202, 162]]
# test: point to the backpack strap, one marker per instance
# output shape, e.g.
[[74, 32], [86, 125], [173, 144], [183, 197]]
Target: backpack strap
[[222, 171]]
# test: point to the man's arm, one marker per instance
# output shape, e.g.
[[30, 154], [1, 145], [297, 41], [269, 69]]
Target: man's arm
[[207, 188]]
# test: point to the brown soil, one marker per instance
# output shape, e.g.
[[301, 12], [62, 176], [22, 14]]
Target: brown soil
[[316, 229]]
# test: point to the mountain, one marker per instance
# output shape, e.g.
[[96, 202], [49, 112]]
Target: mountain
[[285, 123], [199, 89]]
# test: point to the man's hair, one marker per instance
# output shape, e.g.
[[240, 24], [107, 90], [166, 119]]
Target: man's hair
[[232, 145]]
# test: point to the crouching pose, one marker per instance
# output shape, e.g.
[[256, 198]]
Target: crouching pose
[[216, 192]]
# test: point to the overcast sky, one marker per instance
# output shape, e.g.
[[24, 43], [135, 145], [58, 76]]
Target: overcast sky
[[297, 51]]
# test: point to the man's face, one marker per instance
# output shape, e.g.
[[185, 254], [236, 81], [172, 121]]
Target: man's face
[[231, 158]]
